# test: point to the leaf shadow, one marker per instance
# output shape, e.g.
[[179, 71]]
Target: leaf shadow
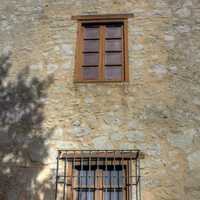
[[23, 146]]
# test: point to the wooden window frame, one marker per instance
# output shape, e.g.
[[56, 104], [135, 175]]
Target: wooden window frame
[[99, 186], [101, 19]]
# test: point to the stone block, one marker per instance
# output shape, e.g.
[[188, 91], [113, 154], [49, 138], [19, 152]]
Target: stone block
[[135, 136], [194, 160], [182, 140], [102, 143]]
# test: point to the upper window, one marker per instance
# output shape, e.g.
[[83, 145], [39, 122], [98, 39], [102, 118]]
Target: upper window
[[102, 51]]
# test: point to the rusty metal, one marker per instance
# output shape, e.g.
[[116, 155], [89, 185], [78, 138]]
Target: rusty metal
[[98, 175]]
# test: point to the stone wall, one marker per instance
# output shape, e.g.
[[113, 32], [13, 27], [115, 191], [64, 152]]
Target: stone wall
[[42, 109]]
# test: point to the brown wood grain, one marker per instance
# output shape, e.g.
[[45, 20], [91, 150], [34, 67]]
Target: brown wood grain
[[91, 53]]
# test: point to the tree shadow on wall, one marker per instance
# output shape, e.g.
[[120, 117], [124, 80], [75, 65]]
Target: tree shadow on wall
[[22, 142]]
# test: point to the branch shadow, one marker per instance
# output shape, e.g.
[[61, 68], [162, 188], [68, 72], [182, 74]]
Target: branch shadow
[[22, 142]]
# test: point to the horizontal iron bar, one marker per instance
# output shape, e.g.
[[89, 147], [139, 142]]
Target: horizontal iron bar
[[111, 155]]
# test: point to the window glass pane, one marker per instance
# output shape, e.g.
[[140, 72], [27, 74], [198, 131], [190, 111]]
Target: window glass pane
[[114, 178], [113, 31], [113, 195], [90, 73], [113, 59], [91, 32], [91, 45], [121, 179], [113, 45], [90, 59], [106, 175], [106, 195], [120, 195], [90, 195], [113, 73], [82, 178], [90, 178], [85, 195], [82, 195]]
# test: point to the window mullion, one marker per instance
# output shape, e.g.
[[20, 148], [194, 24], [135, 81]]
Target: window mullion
[[79, 54], [102, 53]]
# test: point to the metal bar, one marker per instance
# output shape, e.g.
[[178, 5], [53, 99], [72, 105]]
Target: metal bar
[[72, 178], [95, 181], [97, 174], [136, 177], [86, 179], [127, 174], [114, 178], [81, 175], [127, 156], [139, 180], [57, 168], [123, 178], [64, 179], [131, 179], [110, 178], [96, 150], [106, 177], [128, 181], [91, 178], [119, 179]]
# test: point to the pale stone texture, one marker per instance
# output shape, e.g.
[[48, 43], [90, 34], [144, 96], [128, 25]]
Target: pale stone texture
[[194, 160], [157, 111], [135, 136], [183, 140]]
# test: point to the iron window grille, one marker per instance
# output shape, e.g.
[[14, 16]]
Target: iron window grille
[[98, 175]]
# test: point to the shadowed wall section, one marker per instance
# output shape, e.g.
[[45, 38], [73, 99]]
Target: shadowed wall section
[[21, 134]]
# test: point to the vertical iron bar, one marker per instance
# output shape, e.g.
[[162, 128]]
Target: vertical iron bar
[[110, 178], [139, 180], [72, 176], [81, 177], [127, 177], [85, 176], [97, 177], [131, 179], [90, 176], [136, 177], [57, 169], [64, 179], [123, 177], [118, 181], [106, 175], [114, 178]]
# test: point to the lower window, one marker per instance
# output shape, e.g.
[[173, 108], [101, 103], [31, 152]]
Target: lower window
[[98, 175], [100, 182]]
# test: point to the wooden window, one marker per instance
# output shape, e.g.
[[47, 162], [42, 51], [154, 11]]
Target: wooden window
[[102, 48], [105, 181], [98, 175]]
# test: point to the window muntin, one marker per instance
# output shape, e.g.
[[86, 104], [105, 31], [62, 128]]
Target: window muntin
[[102, 51]]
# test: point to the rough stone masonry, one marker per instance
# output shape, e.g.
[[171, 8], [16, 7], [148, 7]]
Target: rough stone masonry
[[42, 109]]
